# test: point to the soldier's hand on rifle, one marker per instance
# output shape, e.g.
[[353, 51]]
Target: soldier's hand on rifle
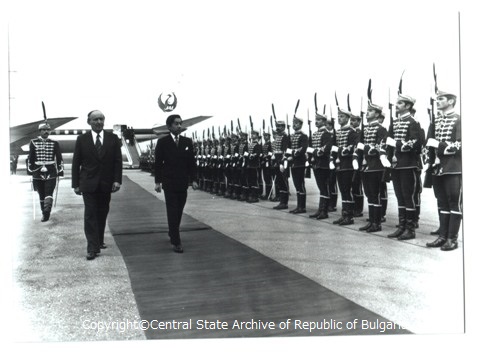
[[355, 164], [331, 165], [385, 162]]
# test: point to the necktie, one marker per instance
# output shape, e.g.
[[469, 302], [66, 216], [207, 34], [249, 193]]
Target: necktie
[[176, 140], [98, 143]]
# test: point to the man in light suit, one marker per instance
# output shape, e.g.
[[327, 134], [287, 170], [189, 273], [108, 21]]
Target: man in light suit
[[175, 170], [96, 172]]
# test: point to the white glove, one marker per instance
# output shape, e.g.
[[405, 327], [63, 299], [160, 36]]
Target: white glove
[[449, 150], [288, 151], [331, 165], [385, 162], [286, 164], [310, 150], [334, 149], [246, 154], [281, 168], [270, 153], [273, 157], [360, 146], [355, 164], [391, 142], [432, 142]]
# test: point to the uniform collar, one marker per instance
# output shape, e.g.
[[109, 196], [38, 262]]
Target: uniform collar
[[449, 112], [405, 115]]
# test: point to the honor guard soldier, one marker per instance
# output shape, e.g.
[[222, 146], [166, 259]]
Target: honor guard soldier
[[243, 148], [220, 167], [373, 149], [201, 157], [330, 125], [322, 141], [357, 191], [266, 165], [297, 158], [215, 165], [45, 164], [226, 152], [280, 145], [341, 160], [236, 171], [404, 142], [448, 168], [253, 167]]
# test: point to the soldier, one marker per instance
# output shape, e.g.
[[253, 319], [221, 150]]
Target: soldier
[[280, 145], [448, 180], [330, 125], [220, 167], [253, 166], [45, 164], [372, 145], [236, 171], [242, 165], [383, 186], [266, 165], [226, 153], [322, 141], [404, 142], [214, 170], [357, 191], [341, 160], [298, 147]]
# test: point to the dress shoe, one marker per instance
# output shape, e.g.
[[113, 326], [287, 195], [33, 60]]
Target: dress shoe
[[436, 232], [293, 211], [91, 256], [440, 241], [366, 227], [407, 235], [449, 245], [281, 206], [300, 211], [338, 221], [178, 248], [45, 217], [103, 246], [374, 228], [315, 214], [322, 215], [397, 233], [347, 221]]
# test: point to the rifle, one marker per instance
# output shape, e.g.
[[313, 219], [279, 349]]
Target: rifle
[[307, 170], [427, 181]]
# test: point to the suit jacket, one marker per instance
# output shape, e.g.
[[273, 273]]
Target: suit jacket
[[174, 164], [91, 169]]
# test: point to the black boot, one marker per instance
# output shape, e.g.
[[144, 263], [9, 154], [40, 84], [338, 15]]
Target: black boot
[[409, 232], [253, 198], [349, 214], [442, 231], [437, 231], [293, 211], [284, 200], [302, 200], [342, 218], [371, 215], [376, 220], [401, 224], [384, 202], [244, 194], [358, 208], [314, 215], [332, 203], [323, 205], [47, 205], [453, 229]]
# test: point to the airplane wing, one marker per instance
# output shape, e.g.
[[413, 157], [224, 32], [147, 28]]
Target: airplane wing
[[22, 134], [156, 131]]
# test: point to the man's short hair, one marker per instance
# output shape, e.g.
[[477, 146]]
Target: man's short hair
[[91, 113], [171, 118]]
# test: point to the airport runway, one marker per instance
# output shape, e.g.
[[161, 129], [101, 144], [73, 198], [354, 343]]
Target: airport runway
[[62, 297]]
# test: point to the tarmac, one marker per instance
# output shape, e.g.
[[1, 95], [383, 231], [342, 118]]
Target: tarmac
[[402, 281]]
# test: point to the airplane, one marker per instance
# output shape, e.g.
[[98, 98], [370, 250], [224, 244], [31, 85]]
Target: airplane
[[21, 135]]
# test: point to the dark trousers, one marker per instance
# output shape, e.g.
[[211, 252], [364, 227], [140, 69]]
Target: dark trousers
[[97, 206], [405, 186], [357, 184], [298, 177], [282, 181], [322, 181], [175, 201], [253, 178], [372, 183], [267, 175], [449, 192], [344, 179], [44, 188], [333, 182]]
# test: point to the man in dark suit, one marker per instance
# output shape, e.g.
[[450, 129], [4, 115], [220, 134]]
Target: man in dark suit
[[175, 170], [96, 172]]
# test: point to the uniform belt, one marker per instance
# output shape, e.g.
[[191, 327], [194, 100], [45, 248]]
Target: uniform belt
[[44, 162]]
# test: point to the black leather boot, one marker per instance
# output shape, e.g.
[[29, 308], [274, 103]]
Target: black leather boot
[[453, 229], [284, 200], [371, 215]]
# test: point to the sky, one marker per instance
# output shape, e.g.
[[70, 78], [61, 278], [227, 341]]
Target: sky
[[226, 59]]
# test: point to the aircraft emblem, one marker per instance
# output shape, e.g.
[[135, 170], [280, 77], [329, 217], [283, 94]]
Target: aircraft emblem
[[167, 103]]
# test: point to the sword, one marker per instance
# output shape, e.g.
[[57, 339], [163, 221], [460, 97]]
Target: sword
[[33, 198], [56, 193]]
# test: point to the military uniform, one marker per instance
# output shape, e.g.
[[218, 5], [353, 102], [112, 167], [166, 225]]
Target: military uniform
[[357, 190], [266, 166], [298, 145], [341, 159], [448, 175], [322, 141], [374, 153], [252, 167], [45, 164], [280, 145], [405, 145]]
